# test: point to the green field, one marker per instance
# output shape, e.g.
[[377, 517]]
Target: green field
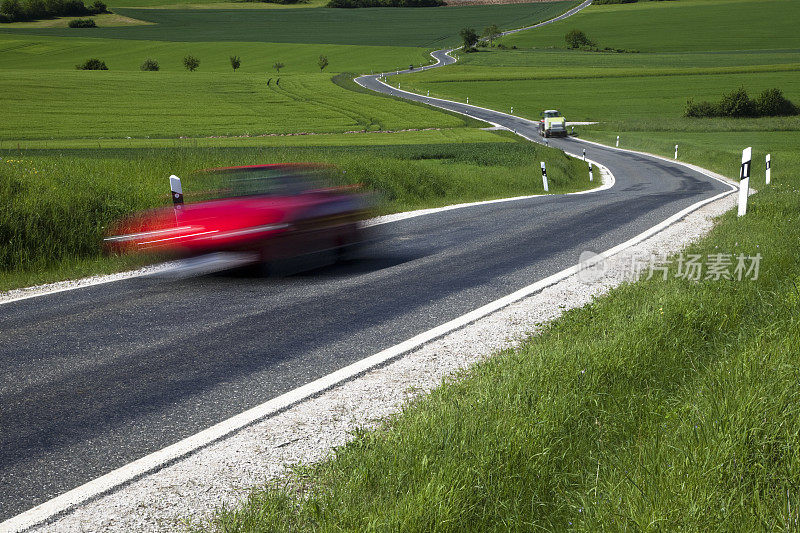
[[420, 27], [196, 105], [666, 405]]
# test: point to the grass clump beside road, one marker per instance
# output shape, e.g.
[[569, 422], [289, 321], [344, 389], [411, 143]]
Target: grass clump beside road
[[59, 202], [665, 406]]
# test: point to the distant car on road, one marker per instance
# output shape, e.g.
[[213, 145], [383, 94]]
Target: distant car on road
[[272, 212], [552, 124]]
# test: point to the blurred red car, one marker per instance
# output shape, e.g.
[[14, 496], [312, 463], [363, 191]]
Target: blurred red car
[[272, 212]]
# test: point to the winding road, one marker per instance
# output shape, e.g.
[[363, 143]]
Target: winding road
[[94, 378]]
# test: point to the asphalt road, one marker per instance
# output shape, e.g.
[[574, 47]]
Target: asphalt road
[[96, 377]]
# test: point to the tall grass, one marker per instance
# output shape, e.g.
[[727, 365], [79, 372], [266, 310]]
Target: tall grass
[[59, 203]]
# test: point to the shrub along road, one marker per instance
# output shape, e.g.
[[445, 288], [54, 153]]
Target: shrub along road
[[97, 377]]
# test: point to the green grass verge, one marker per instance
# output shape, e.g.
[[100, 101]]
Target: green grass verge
[[59, 201]]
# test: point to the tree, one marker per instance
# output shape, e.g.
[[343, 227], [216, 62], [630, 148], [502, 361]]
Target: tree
[[469, 37], [191, 63], [491, 33], [235, 62], [322, 62], [149, 65], [13, 9], [278, 66], [577, 39], [92, 64]]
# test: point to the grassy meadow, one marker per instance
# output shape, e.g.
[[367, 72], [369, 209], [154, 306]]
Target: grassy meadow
[[668, 405]]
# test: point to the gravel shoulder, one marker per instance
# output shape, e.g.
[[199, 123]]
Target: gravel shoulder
[[222, 474]]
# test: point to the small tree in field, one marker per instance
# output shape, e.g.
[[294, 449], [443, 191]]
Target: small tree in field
[[191, 63], [491, 33], [92, 64], [150, 65], [235, 62], [577, 39], [469, 37], [278, 66], [322, 62]]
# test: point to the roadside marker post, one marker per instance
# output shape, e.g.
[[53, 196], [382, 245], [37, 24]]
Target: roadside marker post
[[591, 173], [512, 109], [467, 99], [676, 151], [584, 157], [744, 179], [429, 93], [177, 191], [769, 170], [544, 178], [617, 140]]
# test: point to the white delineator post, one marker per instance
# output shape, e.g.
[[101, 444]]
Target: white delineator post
[[584, 155], [617, 140], [467, 99], [512, 110], [676, 151], [177, 191], [744, 179], [769, 170], [544, 178], [591, 173], [429, 93]]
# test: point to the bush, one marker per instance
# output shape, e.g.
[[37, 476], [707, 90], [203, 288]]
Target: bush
[[235, 62], [4, 18], [12, 9], [578, 39], [150, 65], [82, 23], [98, 7], [191, 63], [700, 109], [737, 104], [92, 64], [772, 103]]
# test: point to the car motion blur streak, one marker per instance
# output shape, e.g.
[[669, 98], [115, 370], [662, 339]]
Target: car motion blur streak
[[274, 212]]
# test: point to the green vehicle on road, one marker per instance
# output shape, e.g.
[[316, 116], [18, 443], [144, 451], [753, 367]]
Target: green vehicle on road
[[552, 124]]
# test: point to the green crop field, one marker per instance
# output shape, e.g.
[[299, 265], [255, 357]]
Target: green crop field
[[161, 104], [421, 27]]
